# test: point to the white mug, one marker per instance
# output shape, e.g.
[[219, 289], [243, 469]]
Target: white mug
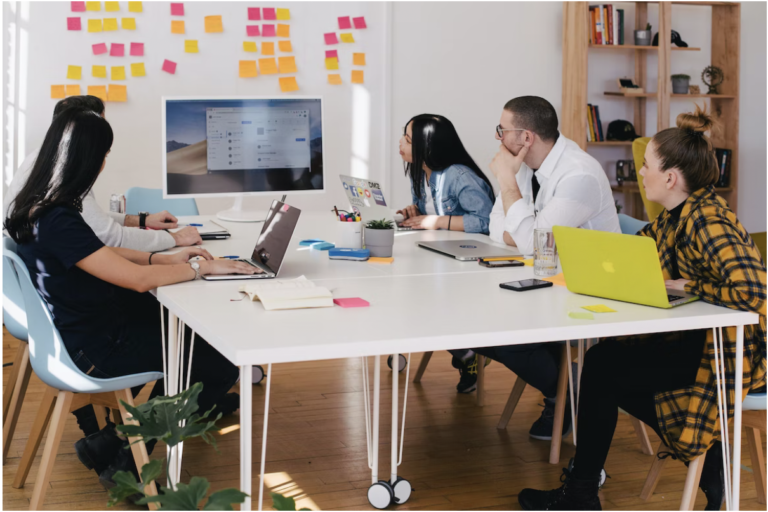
[[350, 235]]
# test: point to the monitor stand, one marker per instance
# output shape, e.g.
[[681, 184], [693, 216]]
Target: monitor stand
[[238, 214]]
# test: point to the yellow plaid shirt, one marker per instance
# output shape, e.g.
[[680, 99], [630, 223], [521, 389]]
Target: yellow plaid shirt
[[723, 266]]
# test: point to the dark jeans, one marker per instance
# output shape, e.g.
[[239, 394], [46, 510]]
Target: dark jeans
[[138, 348], [536, 363]]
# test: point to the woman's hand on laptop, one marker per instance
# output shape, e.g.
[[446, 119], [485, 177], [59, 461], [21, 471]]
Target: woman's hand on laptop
[[183, 256], [422, 222], [409, 211], [676, 284], [224, 267]]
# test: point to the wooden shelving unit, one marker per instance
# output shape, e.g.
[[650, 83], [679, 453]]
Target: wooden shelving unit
[[726, 33]]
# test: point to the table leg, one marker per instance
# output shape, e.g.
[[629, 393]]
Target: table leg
[[739, 370], [246, 426], [376, 402], [395, 397], [264, 434]]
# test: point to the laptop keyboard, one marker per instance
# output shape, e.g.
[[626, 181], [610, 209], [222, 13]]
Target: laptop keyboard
[[673, 298]]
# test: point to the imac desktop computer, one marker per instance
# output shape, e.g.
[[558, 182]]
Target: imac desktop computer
[[242, 146]]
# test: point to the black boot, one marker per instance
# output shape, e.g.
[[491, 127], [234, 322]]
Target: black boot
[[98, 450], [574, 494], [123, 461], [712, 479]]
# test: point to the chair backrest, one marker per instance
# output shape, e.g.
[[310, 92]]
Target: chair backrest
[[138, 199], [638, 153], [630, 225], [14, 316]]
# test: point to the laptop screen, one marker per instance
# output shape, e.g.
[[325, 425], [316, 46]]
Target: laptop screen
[[276, 235]]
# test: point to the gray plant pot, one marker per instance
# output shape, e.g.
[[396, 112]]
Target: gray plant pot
[[680, 85], [642, 37], [379, 242]]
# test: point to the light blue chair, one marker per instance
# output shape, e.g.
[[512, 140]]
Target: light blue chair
[[630, 225], [67, 388], [138, 199]]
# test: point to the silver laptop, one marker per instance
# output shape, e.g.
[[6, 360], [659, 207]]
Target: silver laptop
[[468, 250], [367, 199], [269, 253]]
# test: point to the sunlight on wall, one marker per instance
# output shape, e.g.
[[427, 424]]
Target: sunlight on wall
[[361, 131], [15, 77]]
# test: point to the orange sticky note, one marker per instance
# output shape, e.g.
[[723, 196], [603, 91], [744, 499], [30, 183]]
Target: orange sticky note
[[73, 90], [283, 15], [111, 6], [331, 63], [190, 46], [137, 69], [110, 24], [94, 25], [250, 46], [129, 23], [268, 66], [358, 76], [288, 83], [347, 38], [92, 6], [283, 30], [117, 93], [287, 65], [358, 59], [58, 92], [135, 7], [248, 69], [99, 71], [177, 27], [559, 279], [285, 46], [267, 48], [100, 91], [74, 72], [118, 72], [213, 24], [334, 79]]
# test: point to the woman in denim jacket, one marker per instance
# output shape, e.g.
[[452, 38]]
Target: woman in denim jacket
[[449, 190]]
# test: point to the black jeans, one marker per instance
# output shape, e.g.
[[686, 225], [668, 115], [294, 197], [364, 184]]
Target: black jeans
[[536, 363], [137, 348], [627, 374]]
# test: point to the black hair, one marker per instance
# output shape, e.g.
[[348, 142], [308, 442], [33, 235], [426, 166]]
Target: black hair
[[436, 143], [66, 168], [80, 102], [534, 114]]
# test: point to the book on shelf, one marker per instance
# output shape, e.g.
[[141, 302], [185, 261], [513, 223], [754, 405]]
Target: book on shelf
[[724, 157], [595, 128], [607, 25]]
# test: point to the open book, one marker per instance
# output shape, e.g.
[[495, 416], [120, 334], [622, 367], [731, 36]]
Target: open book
[[289, 294]]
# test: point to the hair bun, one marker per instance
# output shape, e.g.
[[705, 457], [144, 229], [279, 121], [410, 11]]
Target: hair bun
[[697, 122]]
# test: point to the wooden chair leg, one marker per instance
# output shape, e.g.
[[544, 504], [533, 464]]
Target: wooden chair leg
[[58, 421], [562, 391], [14, 375], [422, 367], [117, 418], [642, 436], [654, 475], [14, 407], [514, 398], [139, 450], [758, 462], [35, 436], [480, 380], [692, 482], [101, 415]]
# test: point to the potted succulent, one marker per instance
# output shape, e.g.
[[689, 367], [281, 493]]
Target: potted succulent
[[680, 84], [380, 238], [643, 37]]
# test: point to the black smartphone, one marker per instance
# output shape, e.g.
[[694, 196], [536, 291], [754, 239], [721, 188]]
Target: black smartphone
[[501, 263], [525, 285]]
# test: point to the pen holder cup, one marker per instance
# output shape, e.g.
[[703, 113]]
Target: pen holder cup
[[350, 235]]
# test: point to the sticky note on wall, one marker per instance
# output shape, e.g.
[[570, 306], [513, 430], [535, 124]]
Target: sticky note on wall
[[331, 63], [358, 77], [283, 14], [169, 66], [287, 64], [252, 30], [330, 38], [117, 50], [285, 46], [177, 9], [94, 25], [250, 46], [78, 6], [93, 6], [190, 46], [358, 59], [269, 13], [268, 66], [268, 31], [110, 24], [334, 79], [111, 6], [344, 23], [177, 27], [135, 7], [74, 72], [73, 90], [99, 71], [283, 30], [360, 22], [254, 13], [288, 84], [99, 48], [117, 93], [100, 91], [137, 69], [213, 24], [118, 72], [267, 48], [129, 23], [58, 92], [248, 69], [137, 49], [74, 24], [347, 38], [331, 53]]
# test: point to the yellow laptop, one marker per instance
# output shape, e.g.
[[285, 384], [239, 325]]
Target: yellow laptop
[[615, 266]]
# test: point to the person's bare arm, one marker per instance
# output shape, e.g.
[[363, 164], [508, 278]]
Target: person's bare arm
[[508, 240], [142, 258]]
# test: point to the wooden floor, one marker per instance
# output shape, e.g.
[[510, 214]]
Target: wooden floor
[[454, 457]]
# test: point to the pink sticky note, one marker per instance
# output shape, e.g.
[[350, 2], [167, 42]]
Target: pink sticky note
[[137, 49], [330, 38], [117, 50], [254, 14], [253, 30], [74, 24], [100, 48], [78, 6], [344, 22], [177, 9], [268, 30], [353, 302], [269, 13], [169, 66], [360, 22], [329, 54]]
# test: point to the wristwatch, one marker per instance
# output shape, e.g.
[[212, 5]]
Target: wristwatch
[[143, 220], [196, 267]]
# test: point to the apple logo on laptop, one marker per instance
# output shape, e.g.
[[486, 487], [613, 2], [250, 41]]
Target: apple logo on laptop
[[608, 267]]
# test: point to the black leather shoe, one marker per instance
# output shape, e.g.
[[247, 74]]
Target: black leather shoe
[[98, 450], [712, 478], [574, 494]]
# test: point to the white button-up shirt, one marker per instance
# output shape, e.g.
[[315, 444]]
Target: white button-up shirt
[[574, 192]]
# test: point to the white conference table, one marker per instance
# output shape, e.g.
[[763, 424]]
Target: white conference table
[[428, 301]]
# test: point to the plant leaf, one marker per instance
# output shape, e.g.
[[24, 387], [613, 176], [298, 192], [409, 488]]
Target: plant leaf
[[126, 486], [223, 500], [281, 502], [151, 471], [185, 497]]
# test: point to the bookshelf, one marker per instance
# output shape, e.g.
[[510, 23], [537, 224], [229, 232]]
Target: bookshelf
[[725, 29]]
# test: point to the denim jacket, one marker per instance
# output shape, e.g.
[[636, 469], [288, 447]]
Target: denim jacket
[[458, 191]]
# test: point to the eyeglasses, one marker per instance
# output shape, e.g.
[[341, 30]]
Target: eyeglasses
[[500, 131]]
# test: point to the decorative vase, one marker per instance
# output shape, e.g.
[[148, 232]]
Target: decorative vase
[[642, 37], [379, 242], [680, 85]]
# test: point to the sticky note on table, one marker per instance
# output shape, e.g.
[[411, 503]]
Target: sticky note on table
[[344, 23], [269, 13], [358, 59], [267, 48], [78, 6], [330, 38], [135, 7], [358, 77], [74, 72], [360, 22], [110, 24], [287, 65], [129, 23], [288, 83], [283, 14], [352, 302], [347, 38], [268, 66], [73, 90], [99, 71], [93, 6], [285, 46], [331, 53], [111, 6], [94, 25], [599, 308], [58, 92], [250, 46], [268, 31], [117, 93], [334, 79], [177, 9], [137, 69], [331, 63], [74, 24], [283, 30], [252, 30], [117, 50], [118, 72], [254, 13], [213, 24], [190, 46], [528, 262], [169, 66], [248, 69], [559, 279], [383, 261], [137, 49], [100, 91], [178, 27]]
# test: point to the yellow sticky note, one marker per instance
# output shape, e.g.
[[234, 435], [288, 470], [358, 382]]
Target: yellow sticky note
[[99, 71], [331, 63], [559, 279], [283, 30], [347, 38], [358, 59], [599, 308], [383, 261], [358, 76], [92, 6], [117, 93], [287, 65], [267, 48], [137, 69], [135, 7], [94, 25], [268, 66], [580, 315], [528, 262], [58, 92], [118, 72], [111, 6], [110, 24], [213, 24], [129, 23], [73, 90], [283, 15], [100, 91], [285, 46], [250, 46], [288, 83], [334, 79], [190, 46], [248, 69], [74, 72], [177, 27]]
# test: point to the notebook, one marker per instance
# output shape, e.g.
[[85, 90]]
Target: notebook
[[208, 231], [296, 293]]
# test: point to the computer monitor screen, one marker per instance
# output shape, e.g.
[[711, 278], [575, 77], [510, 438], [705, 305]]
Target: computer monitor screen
[[242, 146]]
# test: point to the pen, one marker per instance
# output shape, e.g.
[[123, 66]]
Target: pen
[[229, 257], [193, 225]]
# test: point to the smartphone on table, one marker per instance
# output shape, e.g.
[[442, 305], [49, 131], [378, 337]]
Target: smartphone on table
[[500, 263], [525, 285]]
